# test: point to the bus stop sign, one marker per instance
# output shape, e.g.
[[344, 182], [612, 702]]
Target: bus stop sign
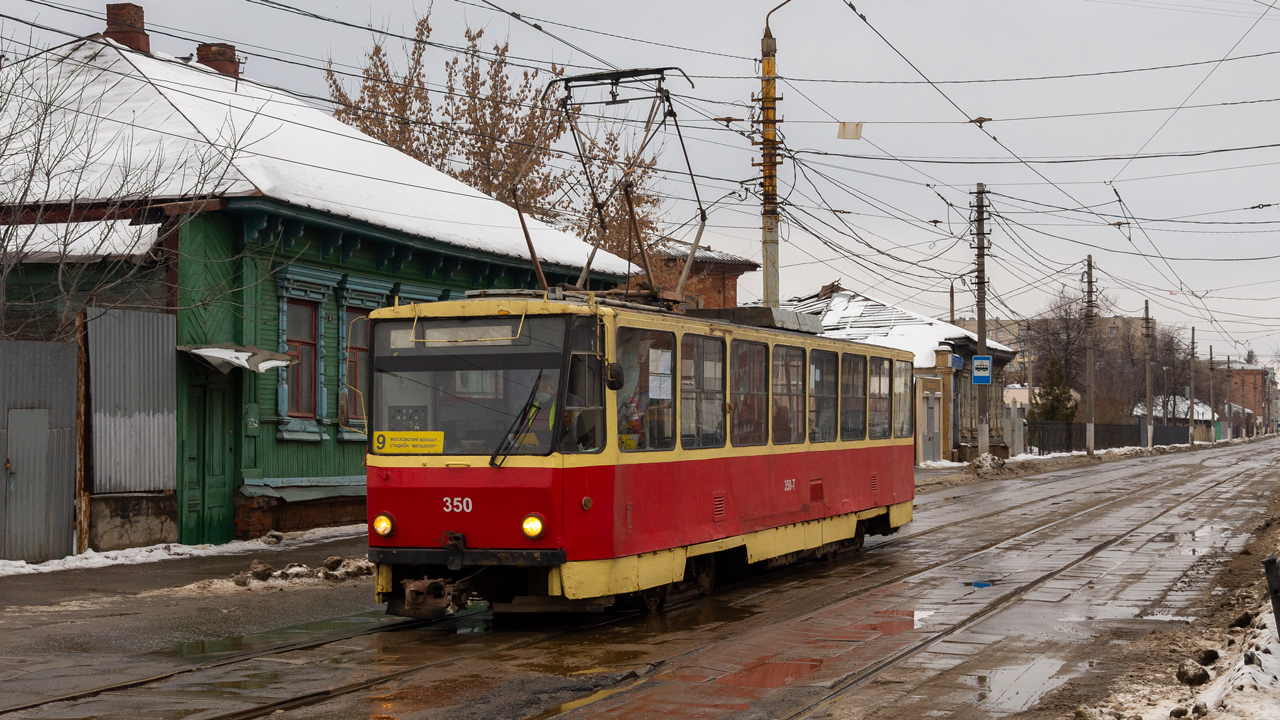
[[981, 369]]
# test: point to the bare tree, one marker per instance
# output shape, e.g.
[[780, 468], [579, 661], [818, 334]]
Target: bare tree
[[86, 203], [494, 131]]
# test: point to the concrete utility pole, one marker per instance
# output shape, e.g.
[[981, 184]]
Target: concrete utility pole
[[1213, 409], [1088, 357], [1191, 391], [953, 301], [1028, 357], [769, 161], [1231, 410], [984, 398], [1146, 335]]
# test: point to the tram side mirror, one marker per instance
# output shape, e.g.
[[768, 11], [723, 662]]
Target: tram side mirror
[[613, 376]]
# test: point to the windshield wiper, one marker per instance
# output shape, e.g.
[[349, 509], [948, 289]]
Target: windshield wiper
[[524, 420]]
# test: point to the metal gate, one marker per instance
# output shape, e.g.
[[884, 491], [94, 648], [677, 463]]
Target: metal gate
[[38, 436]]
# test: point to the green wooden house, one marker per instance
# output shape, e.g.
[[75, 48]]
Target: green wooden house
[[276, 229]]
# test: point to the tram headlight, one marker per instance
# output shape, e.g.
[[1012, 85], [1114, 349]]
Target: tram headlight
[[384, 525], [532, 526]]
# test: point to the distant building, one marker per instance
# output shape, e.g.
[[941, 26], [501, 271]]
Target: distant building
[[713, 278], [946, 398]]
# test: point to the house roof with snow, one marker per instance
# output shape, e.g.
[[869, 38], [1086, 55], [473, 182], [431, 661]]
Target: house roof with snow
[[1177, 406], [679, 249], [124, 123], [854, 316]]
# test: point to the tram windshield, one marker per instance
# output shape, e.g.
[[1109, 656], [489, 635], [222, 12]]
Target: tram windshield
[[467, 386]]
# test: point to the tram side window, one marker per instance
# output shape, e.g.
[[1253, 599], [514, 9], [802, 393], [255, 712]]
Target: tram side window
[[822, 396], [903, 418], [853, 397], [701, 392], [583, 416], [646, 411], [788, 395], [749, 393], [878, 398]]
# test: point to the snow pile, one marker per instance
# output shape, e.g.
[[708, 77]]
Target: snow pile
[[987, 465], [941, 464], [1250, 688], [169, 551]]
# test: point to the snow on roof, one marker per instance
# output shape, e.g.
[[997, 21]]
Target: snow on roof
[[672, 248], [1177, 408], [139, 125], [79, 242], [853, 316]]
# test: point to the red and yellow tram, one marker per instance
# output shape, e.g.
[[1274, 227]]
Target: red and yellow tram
[[550, 453]]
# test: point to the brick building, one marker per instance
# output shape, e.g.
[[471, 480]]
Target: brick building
[[713, 279]]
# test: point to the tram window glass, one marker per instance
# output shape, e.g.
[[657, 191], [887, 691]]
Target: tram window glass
[[853, 397], [357, 323], [582, 428], [749, 393], [822, 396], [701, 392], [902, 410], [878, 398], [468, 386], [300, 339], [646, 408], [788, 395]]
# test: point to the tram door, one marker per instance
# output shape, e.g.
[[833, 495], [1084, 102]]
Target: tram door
[[931, 447], [207, 463]]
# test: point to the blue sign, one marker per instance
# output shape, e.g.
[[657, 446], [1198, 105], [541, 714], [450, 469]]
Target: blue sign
[[981, 369], [957, 362]]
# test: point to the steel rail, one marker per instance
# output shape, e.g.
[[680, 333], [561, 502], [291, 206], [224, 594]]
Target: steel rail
[[868, 673]]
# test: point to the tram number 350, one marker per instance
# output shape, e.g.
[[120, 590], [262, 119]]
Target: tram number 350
[[457, 504]]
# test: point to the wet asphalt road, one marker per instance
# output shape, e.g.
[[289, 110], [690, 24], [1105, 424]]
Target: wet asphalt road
[[993, 596]]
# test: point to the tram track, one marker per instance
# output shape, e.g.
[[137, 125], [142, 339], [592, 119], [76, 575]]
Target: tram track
[[861, 677], [319, 696], [1004, 601]]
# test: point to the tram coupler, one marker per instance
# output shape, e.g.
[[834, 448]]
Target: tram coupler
[[434, 597]]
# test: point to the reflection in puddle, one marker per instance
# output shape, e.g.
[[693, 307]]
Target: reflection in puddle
[[205, 649], [895, 622], [1016, 687], [768, 674]]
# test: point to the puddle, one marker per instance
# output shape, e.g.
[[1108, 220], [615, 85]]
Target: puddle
[[1014, 688], [768, 674], [895, 622], [202, 650], [412, 698], [565, 707]]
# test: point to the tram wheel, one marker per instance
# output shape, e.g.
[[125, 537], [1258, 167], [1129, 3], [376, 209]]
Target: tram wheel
[[859, 538], [654, 599], [705, 573]]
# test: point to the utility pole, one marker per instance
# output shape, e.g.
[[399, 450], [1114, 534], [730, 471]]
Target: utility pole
[[1146, 334], [1231, 409], [1088, 357], [769, 162], [1028, 359], [984, 400], [1213, 409], [1191, 392], [953, 301]]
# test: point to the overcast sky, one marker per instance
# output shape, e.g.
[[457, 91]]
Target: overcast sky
[[1195, 208]]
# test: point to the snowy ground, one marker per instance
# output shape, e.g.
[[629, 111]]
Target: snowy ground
[[170, 551], [1244, 685]]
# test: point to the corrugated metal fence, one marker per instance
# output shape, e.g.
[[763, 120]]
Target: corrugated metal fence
[[38, 437], [133, 383]]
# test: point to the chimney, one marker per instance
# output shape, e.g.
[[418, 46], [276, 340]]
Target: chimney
[[125, 25], [220, 57]]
